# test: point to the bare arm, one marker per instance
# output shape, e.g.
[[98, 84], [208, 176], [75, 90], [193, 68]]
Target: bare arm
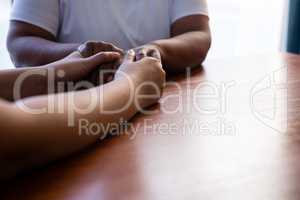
[[26, 82], [188, 46], [30, 45], [29, 140]]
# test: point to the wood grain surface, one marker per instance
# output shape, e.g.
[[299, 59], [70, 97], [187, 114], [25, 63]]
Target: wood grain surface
[[231, 131]]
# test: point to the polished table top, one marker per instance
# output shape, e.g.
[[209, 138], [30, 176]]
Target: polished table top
[[229, 132]]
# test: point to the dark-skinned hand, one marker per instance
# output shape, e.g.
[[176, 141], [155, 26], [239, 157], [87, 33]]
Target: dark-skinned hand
[[105, 72]]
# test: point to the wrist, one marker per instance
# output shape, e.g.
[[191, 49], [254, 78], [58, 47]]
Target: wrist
[[129, 91], [133, 79]]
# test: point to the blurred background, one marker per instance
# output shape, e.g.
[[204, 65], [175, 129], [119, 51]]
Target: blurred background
[[239, 28], [4, 17]]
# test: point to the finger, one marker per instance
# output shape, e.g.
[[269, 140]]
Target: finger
[[88, 49], [91, 48], [105, 46], [119, 50], [140, 54], [151, 61], [103, 57], [154, 53], [116, 49], [129, 57]]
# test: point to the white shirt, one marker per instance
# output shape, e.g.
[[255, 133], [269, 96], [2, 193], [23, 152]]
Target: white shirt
[[125, 23]]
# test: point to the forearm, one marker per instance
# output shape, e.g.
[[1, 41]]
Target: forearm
[[25, 82], [49, 136], [64, 75], [34, 51], [186, 50], [20, 83]]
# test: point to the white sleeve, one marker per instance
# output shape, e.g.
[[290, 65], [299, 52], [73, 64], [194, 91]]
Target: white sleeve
[[182, 8], [41, 13]]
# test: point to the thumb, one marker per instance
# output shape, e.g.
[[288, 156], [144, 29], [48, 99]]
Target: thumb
[[102, 57], [129, 57]]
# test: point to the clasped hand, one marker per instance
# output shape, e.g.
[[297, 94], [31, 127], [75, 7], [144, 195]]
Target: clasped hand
[[106, 71], [141, 65]]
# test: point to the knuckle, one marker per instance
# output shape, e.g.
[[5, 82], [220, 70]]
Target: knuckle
[[102, 55], [107, 44], [152, 61], [89, 43]]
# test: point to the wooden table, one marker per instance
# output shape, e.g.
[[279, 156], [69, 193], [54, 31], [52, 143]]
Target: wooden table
[[231, 132]]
